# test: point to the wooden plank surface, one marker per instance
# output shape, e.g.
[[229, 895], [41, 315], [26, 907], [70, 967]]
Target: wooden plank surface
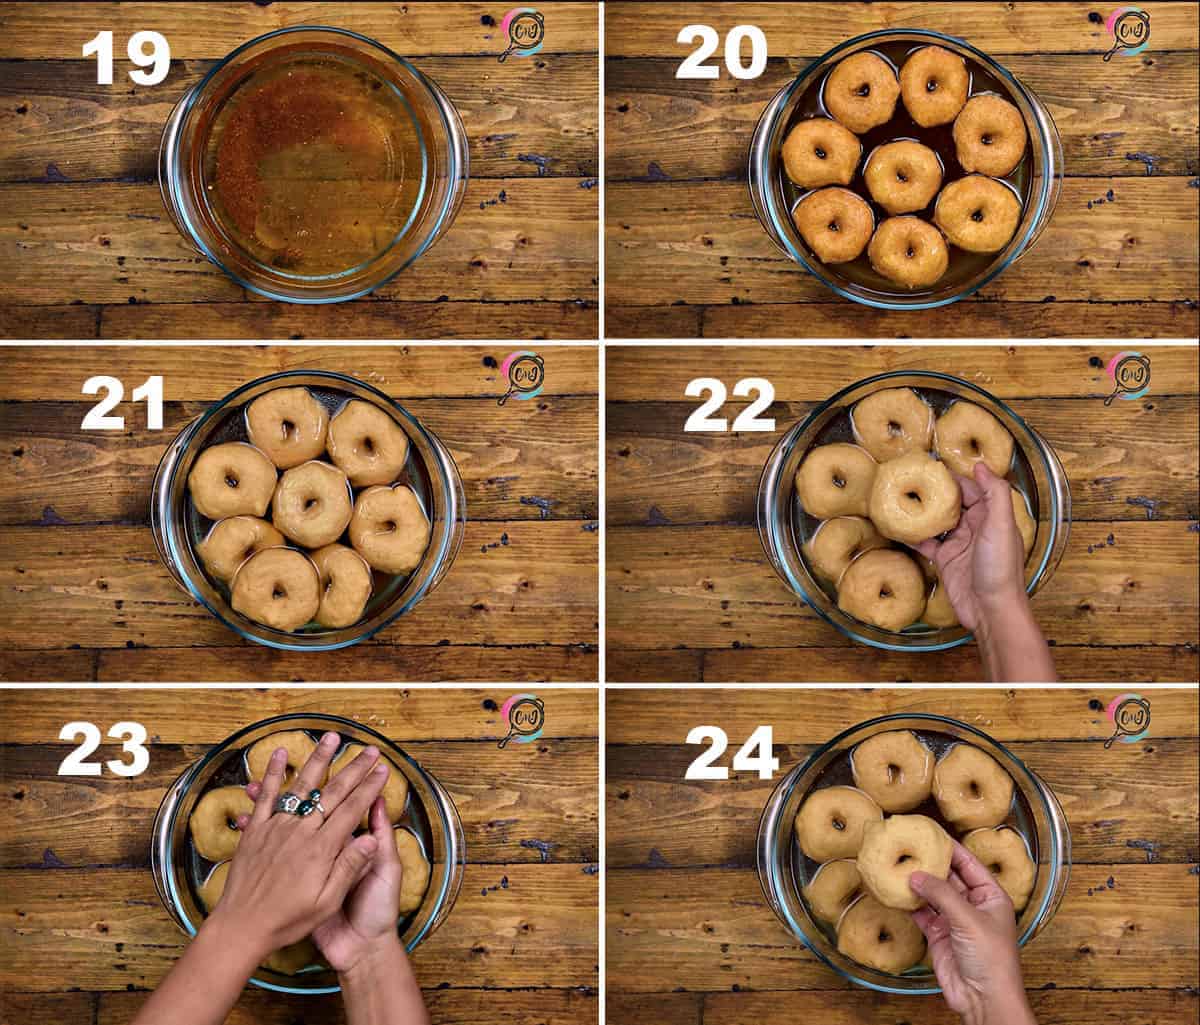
[[78, 180], [83, 923], [691, 939], [633, 29], [681, 231], [691, 595], [74, 522]]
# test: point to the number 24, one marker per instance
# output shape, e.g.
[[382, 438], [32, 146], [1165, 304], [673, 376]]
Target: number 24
[[746, 760]]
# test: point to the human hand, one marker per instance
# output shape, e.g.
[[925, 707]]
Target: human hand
[[365, 925], [289, 873], [981, 563], [971, 930]]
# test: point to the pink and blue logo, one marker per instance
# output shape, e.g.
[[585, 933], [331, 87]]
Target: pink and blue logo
[[526, 30], [1130, 715], [1130, 375], [526, 716], [526, 373], [1130, 31]]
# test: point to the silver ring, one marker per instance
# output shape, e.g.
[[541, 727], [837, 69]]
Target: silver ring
[[288, 804]]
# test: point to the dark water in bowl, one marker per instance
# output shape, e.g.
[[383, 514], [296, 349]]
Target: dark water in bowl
[[839, 773], [232, 428], [232, 771], [964, 266], [838, 429]]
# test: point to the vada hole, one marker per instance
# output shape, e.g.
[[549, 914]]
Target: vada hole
[[278, 592], [833, 226], [289, 428], [389, 525], [995, 868], [819, 152], [231, 480], [901, 176], [839, 481], [893, 773], [369, 444], [231, 824], [885, 936], [977, 216], [912, 496], [903, 858], [309, 503], [909, 252], [864, 89], [838, 824], [894, 429], [974, 788], [986, 140], [885, 592], [931, 85]]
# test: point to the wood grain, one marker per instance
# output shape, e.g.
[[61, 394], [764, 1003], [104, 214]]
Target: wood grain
[[405, 715], [667, 929], [1113, 802], [211, 30], [105, 929], [649, 29], [109, 242], [547, 450], [79, 175], [638, 716], [83, 498], [1118, 664], [814, 372], [691, 596], [1149, 450], [546, 107], [1052, 1007], [690, 938], [207, 373], [1146, 105], [1140, 247], [677, 202], [546, 793]]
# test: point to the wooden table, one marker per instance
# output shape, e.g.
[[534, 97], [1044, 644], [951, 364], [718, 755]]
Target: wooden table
[[87, 250], [84, 596], [686, 256], [691, 595], [84, 934], [691, 940]]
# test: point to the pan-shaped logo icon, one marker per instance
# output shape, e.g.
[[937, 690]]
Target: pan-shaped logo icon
[[1130, 31], [1130, 715], [526, 30], [526, 716], [1130, 373], [526, 373]]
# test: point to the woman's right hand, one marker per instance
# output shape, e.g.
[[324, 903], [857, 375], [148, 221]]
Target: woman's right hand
[[289, 873], [971, 930]]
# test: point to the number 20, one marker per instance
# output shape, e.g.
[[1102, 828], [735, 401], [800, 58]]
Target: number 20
[[694, 66]]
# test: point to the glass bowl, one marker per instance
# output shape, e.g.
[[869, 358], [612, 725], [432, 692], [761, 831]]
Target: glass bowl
[[764, 174], [782, 525], [433, 187], [178, 870], [178, 528], [783, 869]]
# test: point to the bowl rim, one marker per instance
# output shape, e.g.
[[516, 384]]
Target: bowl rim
[[188, 777], [1043, 197], [774, 530], [175, 181], [1059, 861], [447, 546]]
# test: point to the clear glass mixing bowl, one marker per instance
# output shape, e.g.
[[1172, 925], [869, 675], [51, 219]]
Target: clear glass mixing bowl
[[439, 182], [782, 870], [177, 868], [178, 528], [782, 525], [764, 175]]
